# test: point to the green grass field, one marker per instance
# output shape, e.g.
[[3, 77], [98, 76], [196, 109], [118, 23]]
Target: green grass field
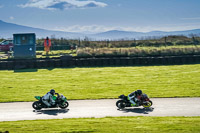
[[101, 82], [106, 125]]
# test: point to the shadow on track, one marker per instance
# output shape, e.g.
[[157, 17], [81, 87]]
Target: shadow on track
[[137, 110], [51, 111]]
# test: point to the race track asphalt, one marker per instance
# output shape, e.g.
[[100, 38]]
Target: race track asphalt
[[100, 108]]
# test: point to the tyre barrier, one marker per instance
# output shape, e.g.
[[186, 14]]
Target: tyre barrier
[[96, 62]]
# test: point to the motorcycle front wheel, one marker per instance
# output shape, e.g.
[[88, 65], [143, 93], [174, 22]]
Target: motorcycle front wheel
[[36, 105], [63, 106], [148, 104], [121, 104]]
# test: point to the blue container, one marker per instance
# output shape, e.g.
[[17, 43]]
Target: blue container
[[24, 45]]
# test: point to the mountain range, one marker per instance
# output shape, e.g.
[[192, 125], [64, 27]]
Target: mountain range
[[8, 29]]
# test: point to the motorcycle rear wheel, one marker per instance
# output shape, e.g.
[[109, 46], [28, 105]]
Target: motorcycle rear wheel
[[36, 105], [121, 104], [64, 105]]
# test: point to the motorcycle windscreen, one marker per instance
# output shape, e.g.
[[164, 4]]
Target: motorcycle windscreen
[[37, 97]]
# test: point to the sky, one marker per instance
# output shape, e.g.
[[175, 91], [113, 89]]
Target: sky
[[92, 16]]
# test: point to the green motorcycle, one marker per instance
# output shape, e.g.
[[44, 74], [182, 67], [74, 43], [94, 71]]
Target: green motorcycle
[[60, 101]]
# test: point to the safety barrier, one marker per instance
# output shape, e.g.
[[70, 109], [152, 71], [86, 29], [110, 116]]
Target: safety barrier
[[96, 62]]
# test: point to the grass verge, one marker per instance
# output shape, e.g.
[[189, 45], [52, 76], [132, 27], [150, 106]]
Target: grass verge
[[106, 125], [139, 51], [55, 53], [101, 82]]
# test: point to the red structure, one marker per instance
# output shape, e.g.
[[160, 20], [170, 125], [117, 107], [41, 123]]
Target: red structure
[[47, 45]]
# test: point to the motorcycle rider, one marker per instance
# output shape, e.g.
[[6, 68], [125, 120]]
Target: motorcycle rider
[[133, 97], [48, 98]]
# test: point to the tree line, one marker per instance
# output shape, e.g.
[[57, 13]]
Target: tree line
[[147, 42]]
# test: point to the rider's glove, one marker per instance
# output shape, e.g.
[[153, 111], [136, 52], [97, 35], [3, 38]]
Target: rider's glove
[[137, 100]]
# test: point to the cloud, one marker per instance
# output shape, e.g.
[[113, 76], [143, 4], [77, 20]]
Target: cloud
[[102, 28], [63, 4], [11, 18], [86, 28], [99, 28]]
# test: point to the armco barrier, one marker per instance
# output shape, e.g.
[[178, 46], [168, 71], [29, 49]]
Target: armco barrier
[[96, 62]]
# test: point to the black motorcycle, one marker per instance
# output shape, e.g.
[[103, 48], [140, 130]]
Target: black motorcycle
[[60, 101], [124, 102]]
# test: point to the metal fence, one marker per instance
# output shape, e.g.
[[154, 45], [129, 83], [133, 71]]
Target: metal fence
[[55, 47]]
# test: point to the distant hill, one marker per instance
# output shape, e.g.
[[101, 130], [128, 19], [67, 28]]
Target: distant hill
[[114, 34], [8, 29]]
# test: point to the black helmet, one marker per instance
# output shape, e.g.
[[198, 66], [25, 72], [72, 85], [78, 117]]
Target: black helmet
[[52, 91], [139, 92]]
